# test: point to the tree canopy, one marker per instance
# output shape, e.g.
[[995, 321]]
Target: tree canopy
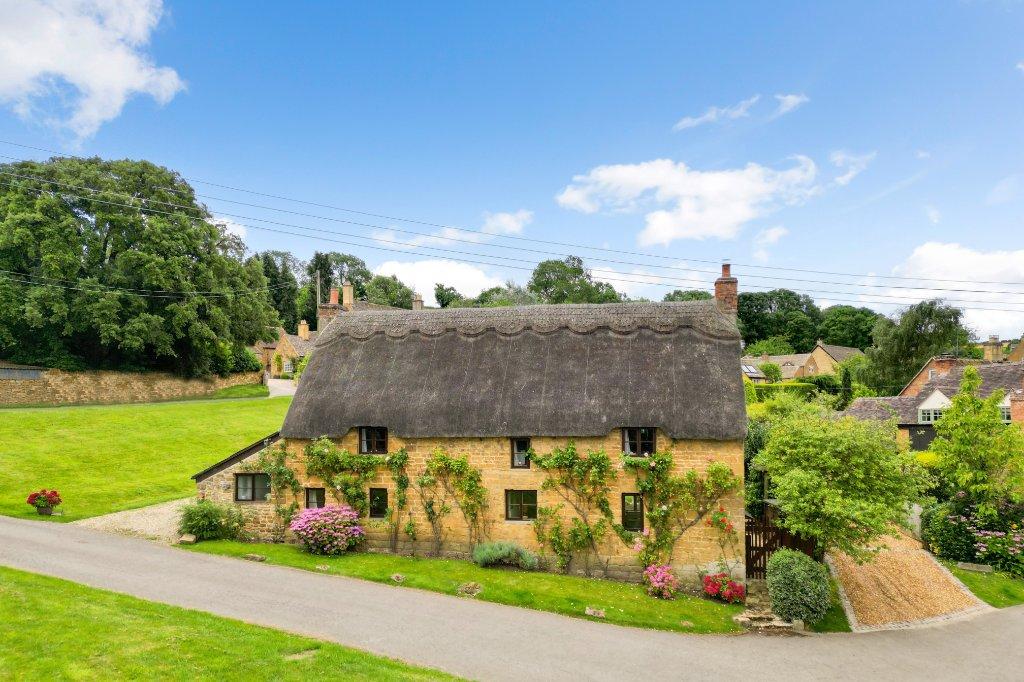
[[687, 295], [568, 281], [780, 312], [131, 273], [278, 268], [846, 325], [388, 290], [902, 346], [773, 345]]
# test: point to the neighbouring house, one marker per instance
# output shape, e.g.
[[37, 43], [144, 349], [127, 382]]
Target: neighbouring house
[[1016, 353], [494, 385], [754, 374], [282, 355], [824, 359], [922, 401]]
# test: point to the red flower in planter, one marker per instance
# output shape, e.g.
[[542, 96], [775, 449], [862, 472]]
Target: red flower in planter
[[44, 499]]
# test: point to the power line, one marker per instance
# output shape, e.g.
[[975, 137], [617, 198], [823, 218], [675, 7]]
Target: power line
[[544, 241], [408, 245], [904, 300]]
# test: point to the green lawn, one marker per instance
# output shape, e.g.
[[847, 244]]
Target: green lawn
[[623, 603], [243, 391], [108, 458], [835, 618], [996, 589], [54, 629]]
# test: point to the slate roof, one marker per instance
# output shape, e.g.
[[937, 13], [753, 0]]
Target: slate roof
[[789, 364], [1008, 376], [550, 370], [302, 347], [840, 353]]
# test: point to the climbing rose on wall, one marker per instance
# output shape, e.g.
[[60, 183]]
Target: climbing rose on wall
[[328, 530]]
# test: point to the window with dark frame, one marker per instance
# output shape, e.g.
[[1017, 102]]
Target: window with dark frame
[[638, 441], [373, 440], [520, 505], [316, 498], [632, 511], [378, 503], [252, 487], [520, 453]]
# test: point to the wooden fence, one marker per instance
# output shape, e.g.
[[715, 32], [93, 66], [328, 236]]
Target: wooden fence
[[764, 536]]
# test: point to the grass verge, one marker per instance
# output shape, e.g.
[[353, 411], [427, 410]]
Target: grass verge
[[623, 603], [104, 459], [55, 629], [996, 589], [242, 391], [835, 618]]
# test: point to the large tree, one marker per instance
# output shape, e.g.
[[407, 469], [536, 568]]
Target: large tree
[[331, 269], [846, 325], [687, 295], [763, 314], [568, 281], [388, 290], [129, 273], [282, 286], [902, 346]]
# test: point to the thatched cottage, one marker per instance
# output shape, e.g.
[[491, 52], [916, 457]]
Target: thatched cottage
[[497, 384]]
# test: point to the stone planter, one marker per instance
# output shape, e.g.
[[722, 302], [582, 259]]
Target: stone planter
[[44, 511]]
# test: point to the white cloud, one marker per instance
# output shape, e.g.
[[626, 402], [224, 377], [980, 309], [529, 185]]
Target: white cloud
[[694, 204], [716, 114], [1005, 191], [766, 238], [788, 103], [422, 275], [494, 225], [88, 55], [642, 283], [852, 164], [923, 154], [1020, 66], [950, 261], [231, 226], [933, 214]]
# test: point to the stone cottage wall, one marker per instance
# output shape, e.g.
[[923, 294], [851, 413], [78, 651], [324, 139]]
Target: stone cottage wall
[[56, 387], [698, 550]]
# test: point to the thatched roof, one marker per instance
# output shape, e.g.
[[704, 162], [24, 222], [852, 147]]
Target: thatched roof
[[553, 370]]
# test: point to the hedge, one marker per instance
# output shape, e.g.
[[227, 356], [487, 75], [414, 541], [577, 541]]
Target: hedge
[[769, 391]]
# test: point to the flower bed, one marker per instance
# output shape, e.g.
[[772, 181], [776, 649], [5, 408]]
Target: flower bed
[[328, 530]]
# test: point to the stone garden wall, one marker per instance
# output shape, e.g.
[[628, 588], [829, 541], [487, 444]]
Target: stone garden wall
[[29, 386]]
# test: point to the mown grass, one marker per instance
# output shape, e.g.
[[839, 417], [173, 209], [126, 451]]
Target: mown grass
[[996, 589], [242, 391], [835, 619], [104, 459], [54, 629], [623, 603]]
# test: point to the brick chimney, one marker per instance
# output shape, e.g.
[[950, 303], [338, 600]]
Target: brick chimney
[[348, 295], [417, 301], [1017, 407], [334, 296], [993, 349], [325, 312], [303, 330], [727, 292]]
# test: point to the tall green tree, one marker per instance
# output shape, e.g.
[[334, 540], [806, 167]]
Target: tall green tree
[[846, 325], [445, 295], [773, 345], [132, 273], [763, 314], [283, 287], [687, 295], [568, 281], [902, 346], [388, 290]]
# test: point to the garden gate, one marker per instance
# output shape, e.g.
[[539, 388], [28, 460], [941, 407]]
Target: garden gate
[[764, 536]]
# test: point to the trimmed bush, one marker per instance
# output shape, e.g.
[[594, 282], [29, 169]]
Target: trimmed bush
[[947, 533], [504, 554], [246, 361], [211, 521], [328, 530], [798, 586]]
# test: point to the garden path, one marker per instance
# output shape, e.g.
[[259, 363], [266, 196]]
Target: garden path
[[155, 522], [902, 587], [488, 641]]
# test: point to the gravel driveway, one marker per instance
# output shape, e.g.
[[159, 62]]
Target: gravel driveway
[[156, 522]]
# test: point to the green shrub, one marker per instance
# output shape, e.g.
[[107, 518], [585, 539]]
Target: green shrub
[[504, 554], [211, 521], [769, 391], [749, 392], [245, 361], [798, 586], [946, 534]]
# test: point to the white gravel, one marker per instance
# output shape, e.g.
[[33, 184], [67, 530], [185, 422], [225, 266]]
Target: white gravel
[[156, 522]]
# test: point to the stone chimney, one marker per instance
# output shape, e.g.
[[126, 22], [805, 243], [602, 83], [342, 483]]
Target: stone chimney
[[348, 295], [727, 292], [993, 349], [417, 301], [325, 312], [303, 330]]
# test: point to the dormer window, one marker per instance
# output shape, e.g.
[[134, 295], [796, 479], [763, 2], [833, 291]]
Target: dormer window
[[638, 441], [929, 416]]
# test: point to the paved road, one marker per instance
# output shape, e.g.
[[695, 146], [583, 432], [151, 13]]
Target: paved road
[[493, 642], [280, 387]]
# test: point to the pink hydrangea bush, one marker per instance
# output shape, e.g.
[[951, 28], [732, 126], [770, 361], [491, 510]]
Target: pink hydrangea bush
[[328, 530], [720, 585], [661, 582]]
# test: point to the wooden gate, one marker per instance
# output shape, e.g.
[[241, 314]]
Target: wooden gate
[[764, 536]]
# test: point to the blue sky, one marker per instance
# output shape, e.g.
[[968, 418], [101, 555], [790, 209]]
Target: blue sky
[[873, 139]]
